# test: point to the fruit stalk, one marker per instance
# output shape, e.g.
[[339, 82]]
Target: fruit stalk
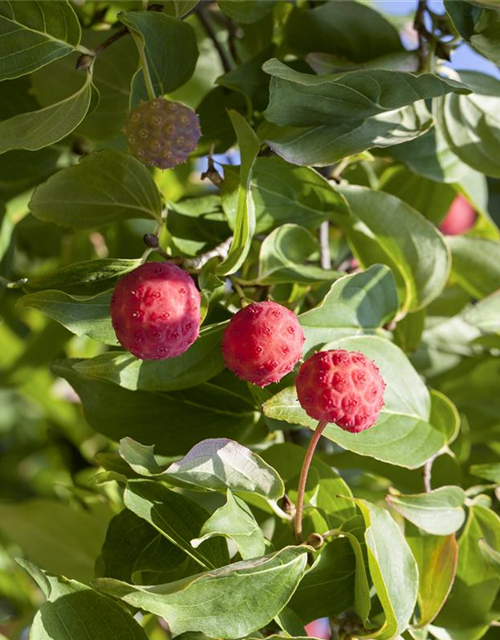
[[303, 478]]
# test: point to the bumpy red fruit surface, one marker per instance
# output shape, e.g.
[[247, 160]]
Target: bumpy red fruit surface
[[162, 133], [262, 343], [344, 387], [155, 311]]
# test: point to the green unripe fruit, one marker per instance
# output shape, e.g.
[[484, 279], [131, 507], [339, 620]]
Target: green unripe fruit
[[162, 133]]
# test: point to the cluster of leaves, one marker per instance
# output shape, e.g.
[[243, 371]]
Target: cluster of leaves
[[171, 495]]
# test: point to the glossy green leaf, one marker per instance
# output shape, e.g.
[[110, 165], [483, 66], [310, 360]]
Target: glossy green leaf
[[475, 264], [34, 34], [479, 27], [234, 520], [177, 518], [353, 31], [106, 186], [212, 465], [81, 315], [247, 11], [413, 425], [83, 278], [67, 538], [491, 555], [284, 257], [383, 228], [325, 144], [174, 422], [439, 512], [392, 567], [430, 156], [168, 46], [486, 314], [358, 303], [38, 129], [436, 558], [489, 472], [225, 603], [282, 192], [244, 228], [65, 614], [202, 361], [327, 589], [469, 125], [476, 584], [134, 551], [306, 100]]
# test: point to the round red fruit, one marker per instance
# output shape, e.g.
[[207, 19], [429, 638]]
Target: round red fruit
[[459, 219], [344, 387], [262, 343], [155, 311]]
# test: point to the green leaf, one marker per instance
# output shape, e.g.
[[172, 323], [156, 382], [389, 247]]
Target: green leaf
[[436, 558], [225, 603], [202, 361], [358, 303], [475, 264], [67, 538], [247, 11], [327, 589], [169, 47], [430, 156], [307, 100], [469, 125], [392, 567], [479, 27], [439, 512], [284, 255], [353, 31], [413, 425], [179, 8], [328, 63], [83, 278], [65, 615], [105, 186], [324, 144], [282, 192], [287, 459], [79, 314], [476, 584], [384, 229], [177, 518], [491, 555], [208, 410], [34, 34], [245, 212], [486, 314], [234, 520], [37, 129], [135, 551], [489, 472], [215, 464]]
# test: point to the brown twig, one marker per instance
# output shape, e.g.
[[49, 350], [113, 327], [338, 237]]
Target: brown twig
[[207, 25], [423, 34]]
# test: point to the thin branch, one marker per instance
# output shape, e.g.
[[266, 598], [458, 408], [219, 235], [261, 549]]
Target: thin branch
[[303, 479], [427, 474], [207, 25], [220, 251], [324, 245]]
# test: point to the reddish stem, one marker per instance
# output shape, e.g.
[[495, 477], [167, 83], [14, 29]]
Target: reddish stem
[[303, 479]]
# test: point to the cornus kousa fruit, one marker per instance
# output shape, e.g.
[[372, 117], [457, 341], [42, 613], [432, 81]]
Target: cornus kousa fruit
[[155, 311], [162, 133], [344, 387], [262, 343]]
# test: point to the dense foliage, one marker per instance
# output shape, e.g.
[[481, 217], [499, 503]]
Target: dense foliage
[[156, 498]]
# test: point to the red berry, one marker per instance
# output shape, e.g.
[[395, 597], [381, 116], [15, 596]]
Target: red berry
[[162, 133], [459, 219], [262, 343], [344, 387], [155, 311]]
